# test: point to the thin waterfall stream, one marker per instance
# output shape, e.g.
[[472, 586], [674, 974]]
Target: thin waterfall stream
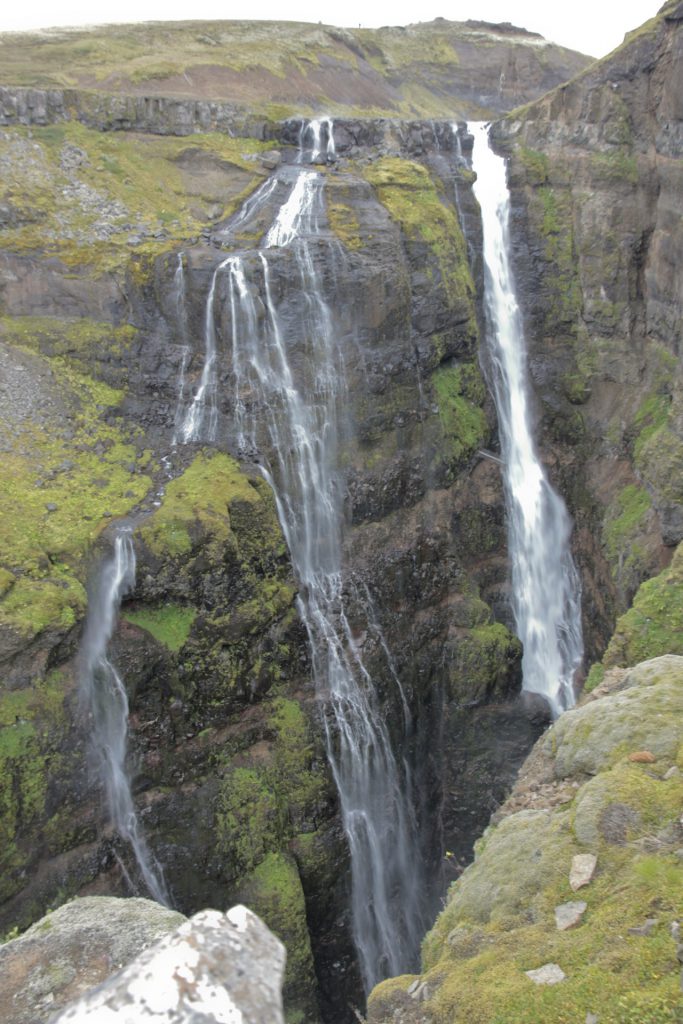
[[288, 413], [546, 593], [104, 693]]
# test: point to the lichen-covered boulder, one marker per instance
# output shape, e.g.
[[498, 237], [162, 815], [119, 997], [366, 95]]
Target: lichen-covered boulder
[[643, 715], [74, 948], [222, 968]]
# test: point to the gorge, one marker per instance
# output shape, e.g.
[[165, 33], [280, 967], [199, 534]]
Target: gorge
[[248, 386]]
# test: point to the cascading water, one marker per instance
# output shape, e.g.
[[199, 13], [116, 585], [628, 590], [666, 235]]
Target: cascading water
[[200, 421], [320, 132], [181, 316], [546, 591], [294, 424], [105, 695]]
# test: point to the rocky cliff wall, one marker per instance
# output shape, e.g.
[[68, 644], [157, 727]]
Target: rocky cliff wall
[[226, 755]]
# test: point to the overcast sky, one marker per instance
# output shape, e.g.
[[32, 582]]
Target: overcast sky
[[592, 26]]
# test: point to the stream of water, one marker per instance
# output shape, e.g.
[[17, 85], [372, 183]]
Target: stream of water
[[104, 693], [288, 409], [546, 594]]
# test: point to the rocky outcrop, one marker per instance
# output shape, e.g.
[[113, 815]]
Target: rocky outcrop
[[134, 959], [588, 794], [72, 950], [214, 967]]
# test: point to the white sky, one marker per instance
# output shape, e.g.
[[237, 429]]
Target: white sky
[[593, 26]]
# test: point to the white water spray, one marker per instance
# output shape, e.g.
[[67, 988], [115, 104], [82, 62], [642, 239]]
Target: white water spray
[[200, 422], [546, 590], [179, 292], [314, 137], [105, 694], [297, 416]]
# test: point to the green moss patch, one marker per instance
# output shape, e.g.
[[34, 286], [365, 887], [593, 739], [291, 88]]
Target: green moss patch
[[343, 215], [625, 524], [71, 467], [644, 715], [204, 495], [268, 800], [408, 192], [170, 624], [484, 661], [654, 623], [31, 723], [91, 198], [460, 393], [273, 890]]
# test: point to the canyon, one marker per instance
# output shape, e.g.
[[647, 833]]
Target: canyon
[[243, 337]]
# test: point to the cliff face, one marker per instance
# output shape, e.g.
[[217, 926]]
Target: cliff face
[[110, 241], [102, 346], [597, 178]]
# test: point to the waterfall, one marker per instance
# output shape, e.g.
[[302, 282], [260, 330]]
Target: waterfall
[[290, 413], [546, 596], [320, 131], [105, 695], [181, 317], [200, 421]]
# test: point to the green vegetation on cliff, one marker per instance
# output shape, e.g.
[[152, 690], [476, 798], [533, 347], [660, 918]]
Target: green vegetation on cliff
[[410, 195], [32, 726], [654, 623], [202, 498], [460, 394], [71, 466], [273, 890], [170, 624], [267, 799], [270, 796], [92, 198]]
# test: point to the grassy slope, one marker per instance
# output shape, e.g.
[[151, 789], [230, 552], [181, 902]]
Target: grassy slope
[[277, 66]]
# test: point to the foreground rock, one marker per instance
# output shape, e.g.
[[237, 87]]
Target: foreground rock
[[70, 951], [501, 920], [216, 967], [567, 915]]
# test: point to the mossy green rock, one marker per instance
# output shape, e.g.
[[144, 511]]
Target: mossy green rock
[[654, 623], [514, 862], [645, 715], [273, 890]]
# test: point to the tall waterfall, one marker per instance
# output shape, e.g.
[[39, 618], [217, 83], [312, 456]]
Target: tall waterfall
[[105, 695], [179, 291], [546, 591], [200, 421], [289, 411]]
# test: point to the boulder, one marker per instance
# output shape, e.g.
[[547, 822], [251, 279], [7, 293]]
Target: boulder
[[74, 948], [215, 967]]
